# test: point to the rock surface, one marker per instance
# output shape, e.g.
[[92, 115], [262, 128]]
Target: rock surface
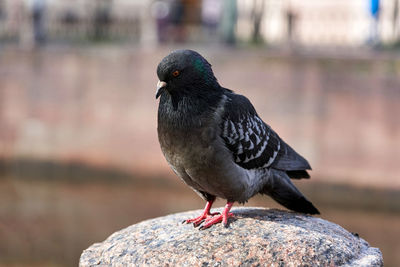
[[255, 236]]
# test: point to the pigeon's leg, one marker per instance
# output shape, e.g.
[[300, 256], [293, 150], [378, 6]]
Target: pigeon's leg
[[220, 218], [206, 214]]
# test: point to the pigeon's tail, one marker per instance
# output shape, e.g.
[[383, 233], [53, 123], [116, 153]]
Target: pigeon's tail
[[281, 189]]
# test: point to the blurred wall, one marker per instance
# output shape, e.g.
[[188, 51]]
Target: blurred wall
[[97, 106]]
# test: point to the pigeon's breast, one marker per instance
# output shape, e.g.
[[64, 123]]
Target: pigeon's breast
[[186, 149], [201, 159], [183, 148]]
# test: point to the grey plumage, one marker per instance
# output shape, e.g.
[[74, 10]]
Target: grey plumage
[[215, 141]]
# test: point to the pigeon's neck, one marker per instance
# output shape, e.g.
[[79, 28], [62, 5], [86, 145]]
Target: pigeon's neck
[[187, 110]]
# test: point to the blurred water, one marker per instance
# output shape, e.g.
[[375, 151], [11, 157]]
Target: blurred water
[[45, 222]]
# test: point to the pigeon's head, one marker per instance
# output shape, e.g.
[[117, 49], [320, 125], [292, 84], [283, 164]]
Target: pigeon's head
[[185, 72]]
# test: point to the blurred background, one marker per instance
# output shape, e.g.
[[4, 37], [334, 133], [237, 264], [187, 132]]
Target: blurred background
[[79, 155]]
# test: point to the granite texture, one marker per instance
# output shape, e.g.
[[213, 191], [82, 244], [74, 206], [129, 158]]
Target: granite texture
[[254, 237]]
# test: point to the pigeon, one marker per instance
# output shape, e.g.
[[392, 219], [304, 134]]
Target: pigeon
[[215, 141]]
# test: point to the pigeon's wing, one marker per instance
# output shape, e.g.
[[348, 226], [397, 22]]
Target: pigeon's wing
[[253, 143]]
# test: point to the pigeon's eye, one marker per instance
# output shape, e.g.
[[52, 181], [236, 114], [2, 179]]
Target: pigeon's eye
[[176, 73]]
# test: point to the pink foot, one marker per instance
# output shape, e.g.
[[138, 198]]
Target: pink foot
[[205, 215], [216, 219], [198, 220], [220, 218]]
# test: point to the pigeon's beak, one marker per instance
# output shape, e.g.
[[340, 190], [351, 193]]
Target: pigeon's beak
[[160, 87]]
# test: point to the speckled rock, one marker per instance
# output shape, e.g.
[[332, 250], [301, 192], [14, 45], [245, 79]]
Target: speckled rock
[[255, 237]]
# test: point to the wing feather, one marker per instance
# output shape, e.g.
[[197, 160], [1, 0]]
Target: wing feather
[[253, 143]]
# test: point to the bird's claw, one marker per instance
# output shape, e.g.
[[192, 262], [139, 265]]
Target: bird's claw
[[195, 224], [216, 219], [202, 218], [207, 219]]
